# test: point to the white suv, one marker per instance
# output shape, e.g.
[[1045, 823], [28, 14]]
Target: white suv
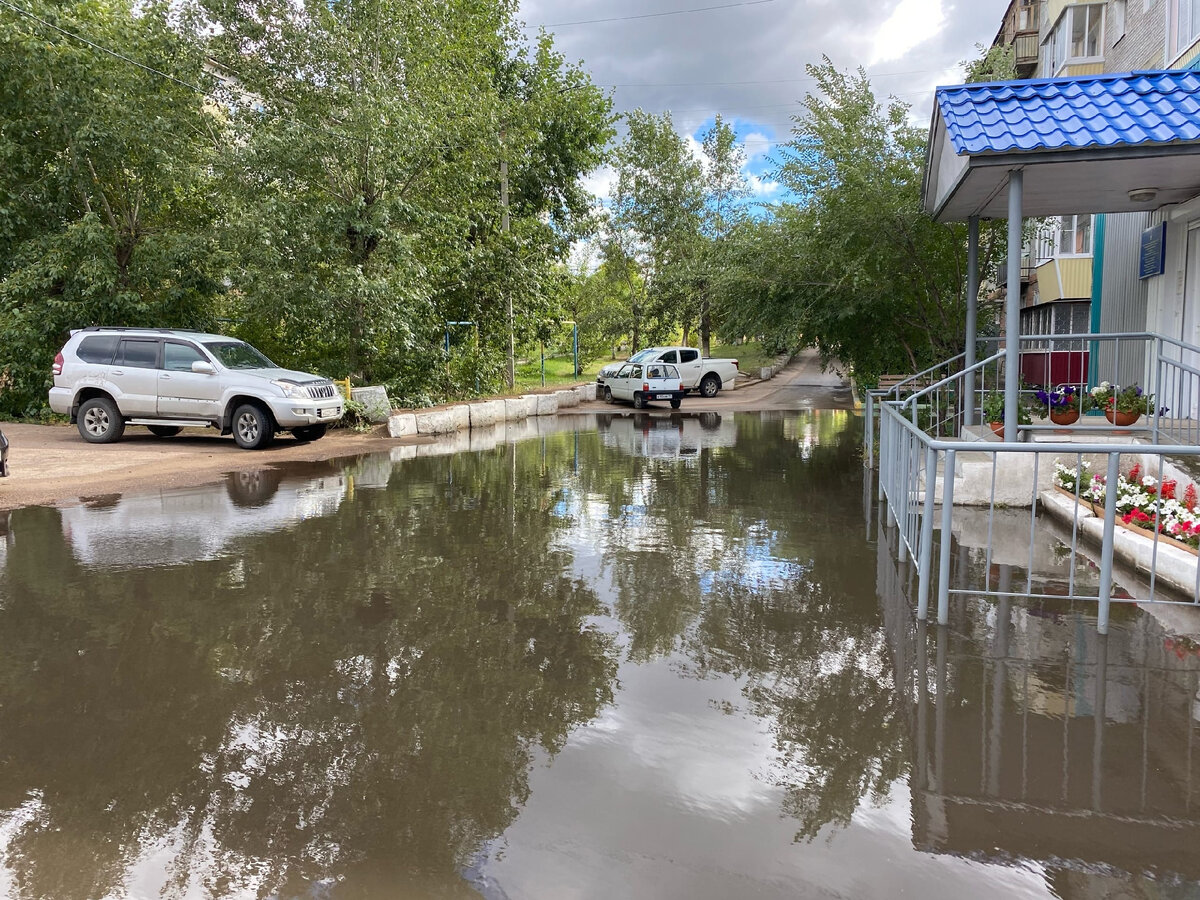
[[107, 378]]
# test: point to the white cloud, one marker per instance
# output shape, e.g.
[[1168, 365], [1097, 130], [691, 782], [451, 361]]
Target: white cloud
[[912, 23], [761, 186], [757, 145], [600, 182]]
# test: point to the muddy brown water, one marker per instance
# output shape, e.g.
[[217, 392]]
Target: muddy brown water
[[650, 656]]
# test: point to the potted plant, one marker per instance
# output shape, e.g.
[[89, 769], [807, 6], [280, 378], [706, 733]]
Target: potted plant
[[993, 412], [1063, 404], [1122, 406]]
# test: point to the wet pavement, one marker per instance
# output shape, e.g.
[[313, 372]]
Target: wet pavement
[[644, 656]]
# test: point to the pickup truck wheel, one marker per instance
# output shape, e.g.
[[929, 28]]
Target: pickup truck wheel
[[309, 432], [252, 428], [608, 395], [710, 386], [99, 421], [638, 401], [164, 430], [676, 403]]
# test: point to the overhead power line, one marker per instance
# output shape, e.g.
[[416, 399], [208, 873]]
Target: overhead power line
[[743, 83], [657, 15]]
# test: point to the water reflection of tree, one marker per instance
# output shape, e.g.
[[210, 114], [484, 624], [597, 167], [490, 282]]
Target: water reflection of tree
[[760, 571], [356, 697]]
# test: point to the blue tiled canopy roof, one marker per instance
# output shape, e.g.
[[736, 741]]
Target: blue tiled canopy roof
[[1108, 110]]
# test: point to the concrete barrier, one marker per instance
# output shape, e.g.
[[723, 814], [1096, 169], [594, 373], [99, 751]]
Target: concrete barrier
[[482, 414], [375, 402], [439, 421], [402, 425], [515, 408], [567, 399], [542, 404]]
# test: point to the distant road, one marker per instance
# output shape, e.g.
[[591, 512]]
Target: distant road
[[801, 385]]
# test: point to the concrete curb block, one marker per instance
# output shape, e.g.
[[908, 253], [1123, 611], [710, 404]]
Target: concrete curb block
[[440, 421], [402, 425], [515, 408], [567, 399], [375, 402]]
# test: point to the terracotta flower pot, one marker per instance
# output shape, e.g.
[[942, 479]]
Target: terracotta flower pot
[[1064, 416], [1121, 418], [997, 429]]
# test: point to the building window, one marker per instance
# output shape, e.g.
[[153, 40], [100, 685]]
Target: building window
[[1077, 37], [1075, 235], [1185, 24]]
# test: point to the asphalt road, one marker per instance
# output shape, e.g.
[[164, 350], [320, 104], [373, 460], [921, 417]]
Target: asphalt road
[[52, 463]]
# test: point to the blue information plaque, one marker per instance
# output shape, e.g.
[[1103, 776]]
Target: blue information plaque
[[1153, 258]]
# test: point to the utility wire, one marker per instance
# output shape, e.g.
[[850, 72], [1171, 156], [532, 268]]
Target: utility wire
[[740, 83], [657, 15]]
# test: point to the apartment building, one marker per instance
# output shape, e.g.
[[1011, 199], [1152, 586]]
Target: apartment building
[[1085, 272]]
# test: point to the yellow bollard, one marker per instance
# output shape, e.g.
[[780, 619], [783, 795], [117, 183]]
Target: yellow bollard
[[343, 386]]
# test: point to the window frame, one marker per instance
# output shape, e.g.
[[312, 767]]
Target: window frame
[[1178, 39], [1074, 230], [202, 357], [119, 354], [1056, 48]]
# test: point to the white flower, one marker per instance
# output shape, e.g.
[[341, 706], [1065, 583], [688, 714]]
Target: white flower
[[1149, 481]]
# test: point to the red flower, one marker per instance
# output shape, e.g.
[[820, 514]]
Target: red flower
[[1167, 490], [1135, 474]]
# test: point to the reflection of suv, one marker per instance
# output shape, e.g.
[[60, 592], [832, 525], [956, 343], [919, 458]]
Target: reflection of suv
[[107, 378]]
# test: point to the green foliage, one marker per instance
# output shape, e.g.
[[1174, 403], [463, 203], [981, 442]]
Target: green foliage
[[106, 186], [993, 408], [657, 208], [327, 175]]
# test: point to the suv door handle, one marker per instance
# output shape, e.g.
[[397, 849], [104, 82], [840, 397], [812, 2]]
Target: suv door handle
[[163, 376], [116, 372]]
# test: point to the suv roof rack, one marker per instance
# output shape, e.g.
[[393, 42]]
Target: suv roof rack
[[135, 328]]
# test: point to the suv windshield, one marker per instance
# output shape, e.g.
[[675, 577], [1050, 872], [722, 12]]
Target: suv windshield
[[239, 355]]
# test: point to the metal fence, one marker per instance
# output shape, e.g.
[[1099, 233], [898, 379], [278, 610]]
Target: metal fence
[[920, 452]]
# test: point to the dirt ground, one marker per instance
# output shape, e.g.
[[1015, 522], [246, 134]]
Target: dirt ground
[[52, 464]]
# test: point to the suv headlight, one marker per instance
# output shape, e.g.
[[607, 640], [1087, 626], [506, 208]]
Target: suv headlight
[[294, 391]]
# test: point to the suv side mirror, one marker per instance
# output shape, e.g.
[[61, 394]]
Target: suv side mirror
[[204, 368]]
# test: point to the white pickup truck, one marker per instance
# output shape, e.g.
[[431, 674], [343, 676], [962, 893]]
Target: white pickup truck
[[697, 373]]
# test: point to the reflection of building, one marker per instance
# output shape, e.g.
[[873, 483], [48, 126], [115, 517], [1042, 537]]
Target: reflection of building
[[677, 435], [1038, 740], [190, 524]]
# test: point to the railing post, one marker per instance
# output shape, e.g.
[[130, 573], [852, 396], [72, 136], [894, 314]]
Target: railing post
[[870, 430], [1157, 392], [947, 529], [925, 551], [1012, 306], [1106, 548], [885, 452]]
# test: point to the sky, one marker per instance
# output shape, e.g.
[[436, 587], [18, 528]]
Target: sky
[[747, 61]]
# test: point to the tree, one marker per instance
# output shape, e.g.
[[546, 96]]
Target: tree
[[657, 205], [856, 266], [369, 196], [725, 190], [107, 198]]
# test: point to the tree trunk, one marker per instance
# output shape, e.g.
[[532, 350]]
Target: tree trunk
[[705, 330]]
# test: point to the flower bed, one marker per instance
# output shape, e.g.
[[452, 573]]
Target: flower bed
[[1143, 503]]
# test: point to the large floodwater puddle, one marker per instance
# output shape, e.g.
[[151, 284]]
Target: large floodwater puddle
[[654, 657]]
